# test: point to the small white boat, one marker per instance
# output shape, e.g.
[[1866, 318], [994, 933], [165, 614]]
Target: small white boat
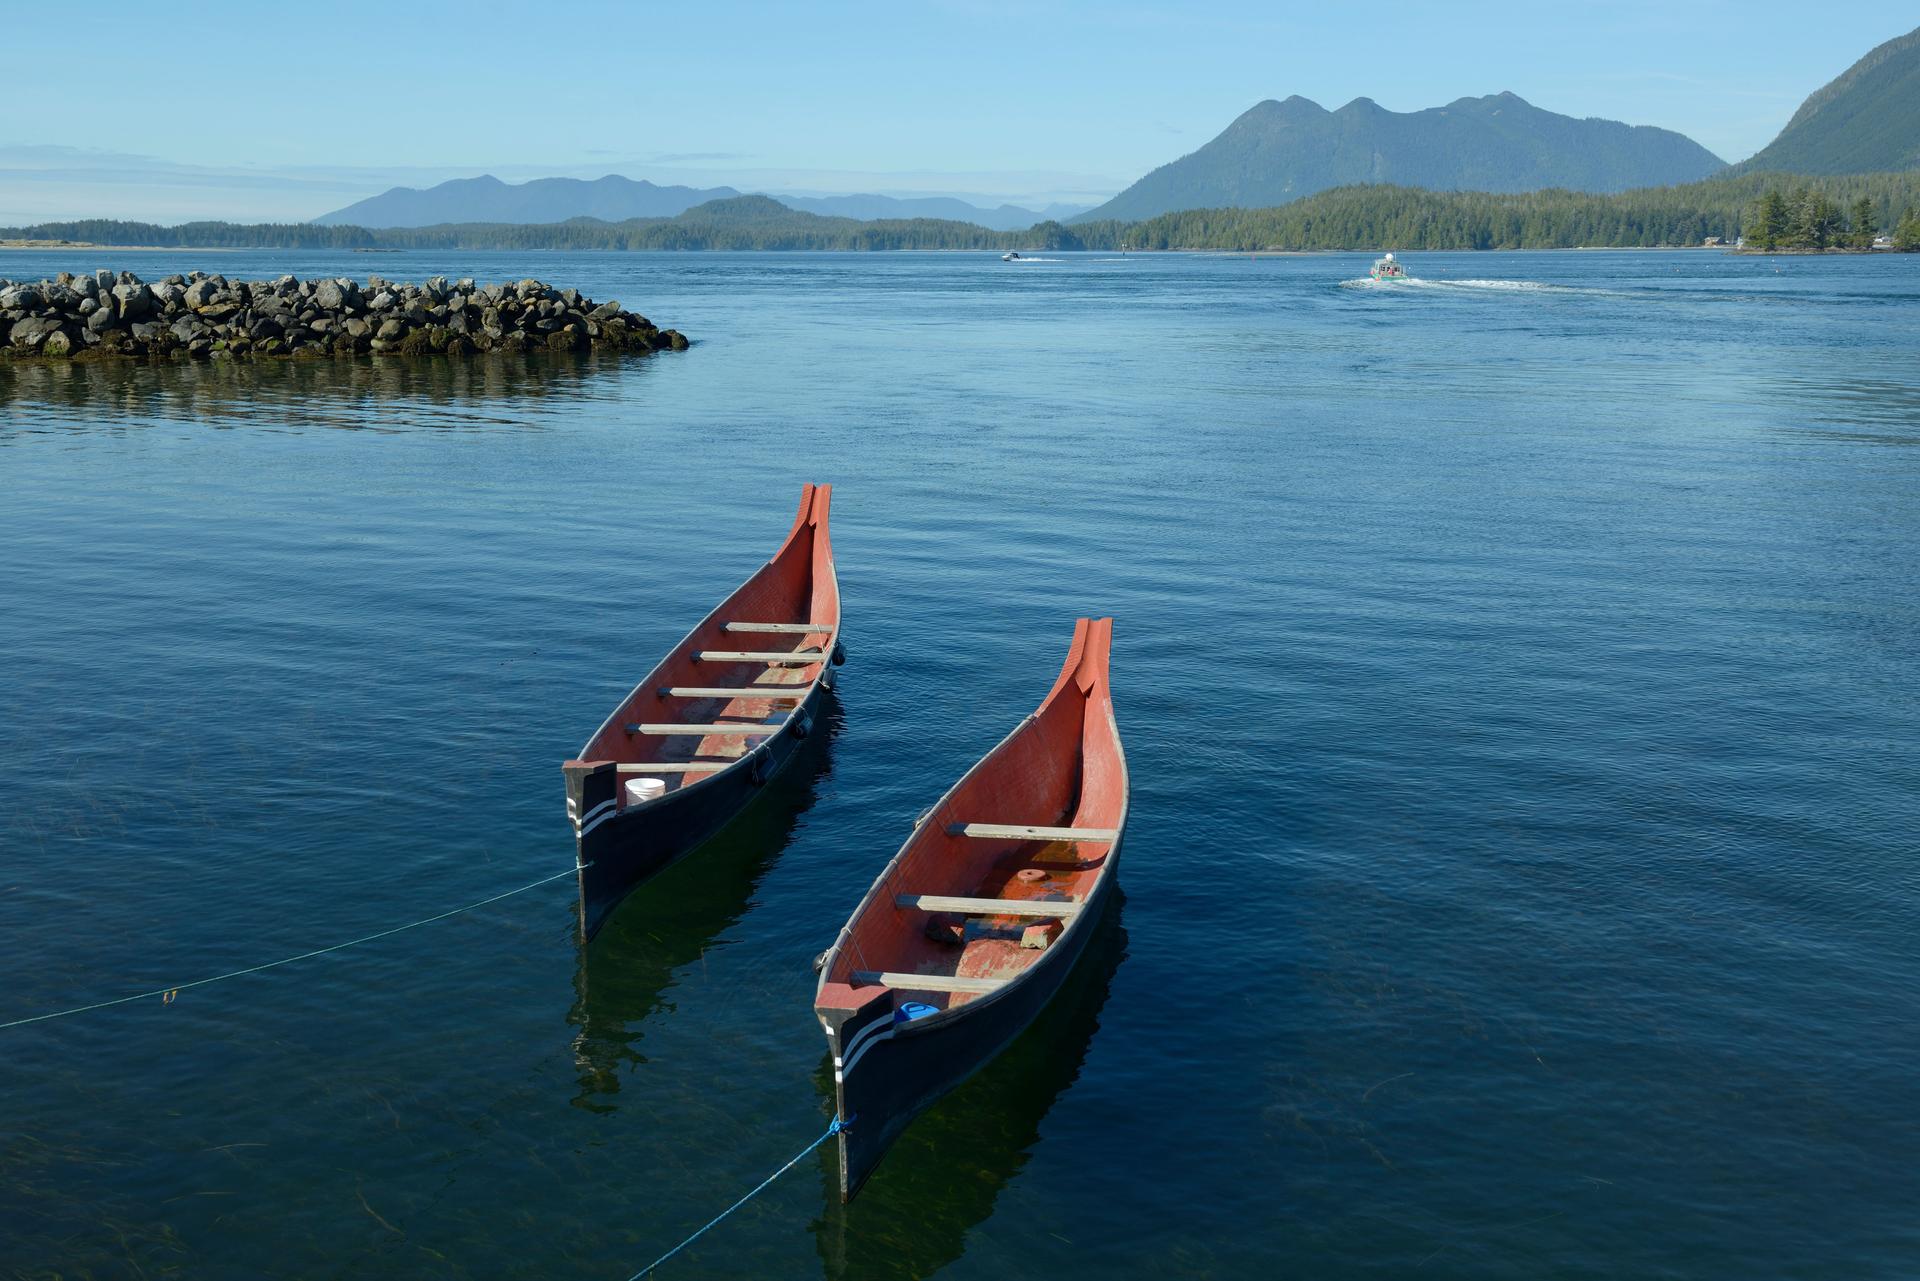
[[1387, 269], [1010, 256]]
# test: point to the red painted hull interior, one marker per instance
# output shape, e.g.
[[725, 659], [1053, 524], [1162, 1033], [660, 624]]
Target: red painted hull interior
[[1063, 767], [797, 586]]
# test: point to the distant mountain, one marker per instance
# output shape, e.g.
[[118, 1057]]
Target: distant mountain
[[947, 208], [487, 199], [1867, 121], [617, 199], [1281, 151]]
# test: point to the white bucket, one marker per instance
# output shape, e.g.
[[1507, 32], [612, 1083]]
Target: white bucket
[[642, 790]]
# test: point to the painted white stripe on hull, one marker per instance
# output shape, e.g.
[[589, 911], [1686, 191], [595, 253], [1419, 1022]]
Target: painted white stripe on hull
[[610, 814], [853, 1060], [591, 819], [853, 1045]]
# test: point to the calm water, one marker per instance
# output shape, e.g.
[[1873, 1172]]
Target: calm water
[[1518, 672]]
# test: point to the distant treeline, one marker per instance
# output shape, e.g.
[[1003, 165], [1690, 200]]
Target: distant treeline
[[1408, 218], [739, 223], [1805, 218], [198, 235], [1361, 217]]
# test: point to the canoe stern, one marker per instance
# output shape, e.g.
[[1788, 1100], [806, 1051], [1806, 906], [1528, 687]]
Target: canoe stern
[[855, 1019], [592, 798]]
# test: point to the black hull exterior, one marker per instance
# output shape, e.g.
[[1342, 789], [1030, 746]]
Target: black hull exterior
[[616, 851], [896, 1071]]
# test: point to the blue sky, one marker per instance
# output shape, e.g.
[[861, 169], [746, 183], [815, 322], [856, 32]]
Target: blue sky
[[249, 111]]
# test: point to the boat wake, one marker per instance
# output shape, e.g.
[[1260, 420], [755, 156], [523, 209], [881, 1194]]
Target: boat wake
[[1023, 259], [1486, 286]]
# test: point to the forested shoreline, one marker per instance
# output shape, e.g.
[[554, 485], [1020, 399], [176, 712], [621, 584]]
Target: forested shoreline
[[1785, 209]]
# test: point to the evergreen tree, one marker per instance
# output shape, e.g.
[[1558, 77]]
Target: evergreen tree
[[1769, 226], [1906, 236], [1865, 225], [1815, 220]]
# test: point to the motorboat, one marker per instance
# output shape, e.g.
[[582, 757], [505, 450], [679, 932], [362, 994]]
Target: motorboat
[[1387, 268]]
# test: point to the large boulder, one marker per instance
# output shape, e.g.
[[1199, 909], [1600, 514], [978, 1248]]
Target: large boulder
[[135, 299], [334, 295], [59, 343], [21, 298], [102, 320], [200, 293], [32, 331]]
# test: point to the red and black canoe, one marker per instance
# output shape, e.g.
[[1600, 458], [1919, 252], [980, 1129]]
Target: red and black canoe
[[979, 918], [709, 726]]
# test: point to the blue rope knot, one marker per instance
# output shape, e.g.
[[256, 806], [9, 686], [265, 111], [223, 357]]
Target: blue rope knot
[[839, 1125]]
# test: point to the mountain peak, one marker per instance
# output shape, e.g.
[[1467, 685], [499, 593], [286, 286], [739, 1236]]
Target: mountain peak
[[1280, 151], [1293, 107]]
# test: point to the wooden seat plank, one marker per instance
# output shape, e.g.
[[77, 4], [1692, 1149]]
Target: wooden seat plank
[[1025, 832], [751, 691], [927, 982], [702, 731], [1064, 909], [757, 656], [671, 767], [783, 629]]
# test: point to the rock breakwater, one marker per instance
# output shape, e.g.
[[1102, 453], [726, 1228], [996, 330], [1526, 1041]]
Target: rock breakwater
[[202, 317]]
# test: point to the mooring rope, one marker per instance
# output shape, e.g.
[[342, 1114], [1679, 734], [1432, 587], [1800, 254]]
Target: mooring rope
[[833, 1128], [168, 993]]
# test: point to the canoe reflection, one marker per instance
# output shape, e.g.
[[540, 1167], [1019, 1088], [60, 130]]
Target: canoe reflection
[[624, 976], [945, 1171]]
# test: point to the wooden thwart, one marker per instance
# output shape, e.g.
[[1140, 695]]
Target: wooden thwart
[[672, 767], [1022, 832], [784, 629], [927, 982], [701, 731], [756, 656], [752, 691], [1065, 910]]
